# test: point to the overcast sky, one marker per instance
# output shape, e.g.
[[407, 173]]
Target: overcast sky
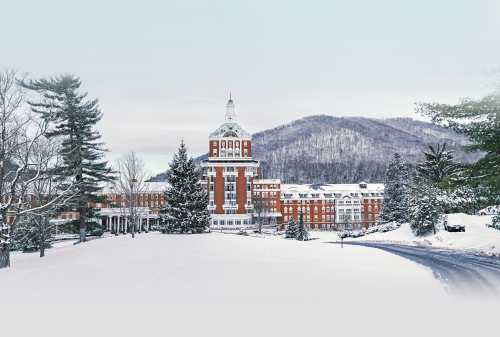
[[162, 70]]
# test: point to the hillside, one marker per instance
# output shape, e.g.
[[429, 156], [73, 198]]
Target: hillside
[[320, 149], [328, 149]]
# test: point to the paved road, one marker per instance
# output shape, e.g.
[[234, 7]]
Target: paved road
[[458, 270]]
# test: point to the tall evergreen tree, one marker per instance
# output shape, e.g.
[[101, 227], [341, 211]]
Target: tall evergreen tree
[[432, 192], [291, 229], [73, 119], [425, 208], [186, 200], [479, 120], [302, 234], [438, 166], [397, 182]]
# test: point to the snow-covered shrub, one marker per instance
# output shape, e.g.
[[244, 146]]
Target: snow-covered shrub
[[495, 222], [32, 233]]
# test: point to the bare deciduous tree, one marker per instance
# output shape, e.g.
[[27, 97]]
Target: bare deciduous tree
[[47, 194], [129, 185], [22, 166]]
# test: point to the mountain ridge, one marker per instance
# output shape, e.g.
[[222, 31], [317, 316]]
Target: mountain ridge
[[323, 148]]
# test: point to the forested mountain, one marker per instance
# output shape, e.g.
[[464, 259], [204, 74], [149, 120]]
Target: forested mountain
[[328, 149]]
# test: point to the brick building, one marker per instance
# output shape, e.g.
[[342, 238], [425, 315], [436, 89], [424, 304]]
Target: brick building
[[332, 206], [237, 197], [267, 201], [229, 173]]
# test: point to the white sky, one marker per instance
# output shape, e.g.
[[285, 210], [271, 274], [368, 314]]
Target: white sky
[[162, 70]]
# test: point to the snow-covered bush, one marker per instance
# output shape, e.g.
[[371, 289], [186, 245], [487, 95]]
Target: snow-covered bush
[[33, 233], [495, 222]]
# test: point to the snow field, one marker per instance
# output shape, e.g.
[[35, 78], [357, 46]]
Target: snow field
[[227, 285]]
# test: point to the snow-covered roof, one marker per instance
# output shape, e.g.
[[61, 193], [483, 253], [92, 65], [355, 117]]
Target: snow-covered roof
[[266, 181], [148, 187], [230, 129], [321, 190], [490, 210]]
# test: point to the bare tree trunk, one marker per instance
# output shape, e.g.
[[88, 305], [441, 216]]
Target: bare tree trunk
[[83, 224], [4, 255], [42, 251]]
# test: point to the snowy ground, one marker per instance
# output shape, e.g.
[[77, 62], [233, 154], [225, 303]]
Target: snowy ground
[[229, 285], [476, 238]]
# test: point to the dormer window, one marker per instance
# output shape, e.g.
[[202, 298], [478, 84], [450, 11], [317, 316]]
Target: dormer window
[[230, 134]]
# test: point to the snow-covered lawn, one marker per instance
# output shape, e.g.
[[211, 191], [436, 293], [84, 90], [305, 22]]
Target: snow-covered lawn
[[229, 285]]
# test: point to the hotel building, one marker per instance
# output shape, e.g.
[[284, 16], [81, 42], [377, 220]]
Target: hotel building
[[229, 173]]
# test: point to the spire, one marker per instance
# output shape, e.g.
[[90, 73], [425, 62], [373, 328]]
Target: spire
[[230, 114]]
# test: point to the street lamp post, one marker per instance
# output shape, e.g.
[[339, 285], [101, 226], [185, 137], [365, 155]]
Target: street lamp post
[[132, 214]]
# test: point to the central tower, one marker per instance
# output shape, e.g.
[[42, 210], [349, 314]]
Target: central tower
[[228, 173]]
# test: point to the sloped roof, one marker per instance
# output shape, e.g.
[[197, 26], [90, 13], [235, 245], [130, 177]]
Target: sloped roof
[[147, 187], [230, 129], [343, 189]]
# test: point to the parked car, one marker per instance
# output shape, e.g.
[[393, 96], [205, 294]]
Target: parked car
[[343, 234], [357, 234], [372, 229], [454, 227]]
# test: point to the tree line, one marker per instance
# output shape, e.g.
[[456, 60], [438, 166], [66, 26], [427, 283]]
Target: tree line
[[438, 184]]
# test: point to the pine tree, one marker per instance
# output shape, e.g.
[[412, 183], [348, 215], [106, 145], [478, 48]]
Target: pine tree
[[438, 166], [302, 234], [397, 181], [432, 194], [33, 233], [73, 118], [425, 208], [186, 207], [291, 229], [479, 120]]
